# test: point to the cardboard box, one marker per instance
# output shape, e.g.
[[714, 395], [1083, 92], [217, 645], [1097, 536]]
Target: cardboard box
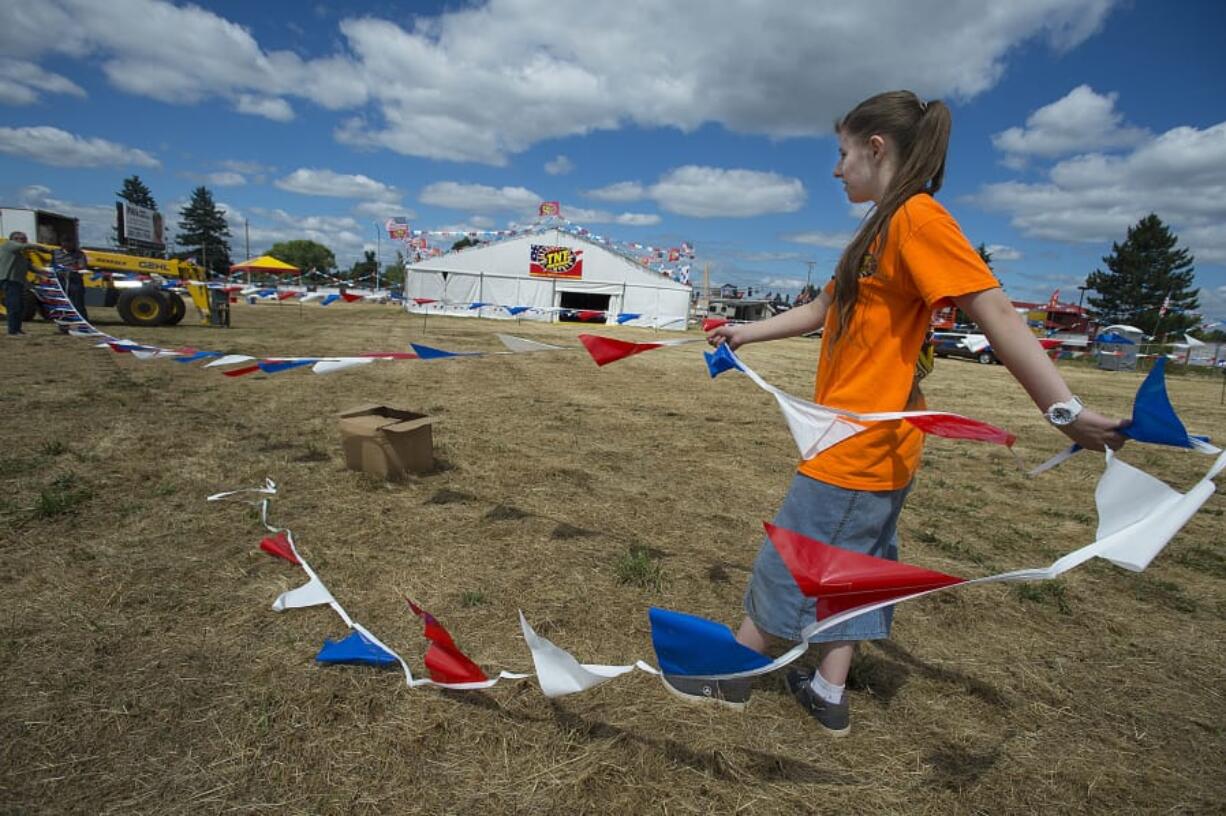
[[387, 442]]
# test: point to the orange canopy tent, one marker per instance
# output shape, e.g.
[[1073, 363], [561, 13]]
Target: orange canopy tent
[[266, 263]]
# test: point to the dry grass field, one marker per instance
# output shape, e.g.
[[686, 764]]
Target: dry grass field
[[143, 670]]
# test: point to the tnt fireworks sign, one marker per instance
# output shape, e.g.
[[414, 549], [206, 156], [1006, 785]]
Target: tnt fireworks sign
[[555, 262]]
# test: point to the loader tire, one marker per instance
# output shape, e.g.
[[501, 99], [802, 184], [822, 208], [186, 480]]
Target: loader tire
[[143, 307], [177, 309]]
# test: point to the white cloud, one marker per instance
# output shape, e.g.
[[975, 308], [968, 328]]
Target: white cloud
[[346, 236], [1082, 120], [713, 192], [1180, 175], [622, 191], [829, 240], [482, 82], [226, 178], [60, 148], [783, 283], [21, 81], [480, 198], [269, 107], [1000, 252], [382, 211], [319, 182], [583, 215], [96, 221], [559, 166], [250, 168]]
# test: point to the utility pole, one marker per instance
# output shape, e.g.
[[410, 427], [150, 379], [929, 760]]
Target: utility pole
[[378, 254], [809, 276]]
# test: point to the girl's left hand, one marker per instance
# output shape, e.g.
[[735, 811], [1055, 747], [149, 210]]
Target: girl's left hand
[[1093, 431]]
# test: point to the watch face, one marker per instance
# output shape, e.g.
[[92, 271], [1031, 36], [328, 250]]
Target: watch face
[[1061, 416]]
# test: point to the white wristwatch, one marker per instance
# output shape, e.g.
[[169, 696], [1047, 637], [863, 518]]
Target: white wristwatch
[[1064, 413]]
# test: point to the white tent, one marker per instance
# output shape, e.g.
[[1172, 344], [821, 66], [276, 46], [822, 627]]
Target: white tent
[[500, 275]]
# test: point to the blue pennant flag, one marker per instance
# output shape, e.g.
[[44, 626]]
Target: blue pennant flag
[[695, 646], [477, 304], [517, 310], [428, 353], [720, 360], [199, 355], [356, 648], [626, 317], [1153, 417], [282, 365], [329, 299]]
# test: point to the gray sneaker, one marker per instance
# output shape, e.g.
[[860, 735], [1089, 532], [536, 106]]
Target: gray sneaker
[[729, 693], [834, 718]]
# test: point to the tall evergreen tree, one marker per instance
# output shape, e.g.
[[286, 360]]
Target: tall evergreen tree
[[1148, 282], [203, 227], [135, 192]]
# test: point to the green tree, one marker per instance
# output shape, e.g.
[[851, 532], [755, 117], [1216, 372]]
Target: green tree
[[1146, 276], [393, 273], [135, 192], [203, 227], [306, 255], [365, 267]]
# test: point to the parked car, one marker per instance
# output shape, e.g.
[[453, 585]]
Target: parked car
[[955, 344]]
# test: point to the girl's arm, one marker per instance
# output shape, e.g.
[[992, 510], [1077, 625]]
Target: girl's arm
[[800, 320], [1026, 360]]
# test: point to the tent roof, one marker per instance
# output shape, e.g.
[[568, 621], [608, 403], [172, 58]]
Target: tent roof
[[264, 263]]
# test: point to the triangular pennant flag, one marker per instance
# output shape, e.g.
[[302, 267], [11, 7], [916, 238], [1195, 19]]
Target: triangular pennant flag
[[275, 366], [444, 660], [287, 295], [721, 360], [713, 323], [312, 593], [329, 366], [814, 428], [328, 300], [280, 546], [841, 579], [390, 355], [605, 350], [350, 297], [626, 317], [477, 304], [520, 344], [954, 426], [239, 372], [356, 648], [428, 353], [229, 359], [310, 297], [516, 311], [558, 672], [590, 314], [424, 301], [199, 355], [1153, 417], [689, 645]]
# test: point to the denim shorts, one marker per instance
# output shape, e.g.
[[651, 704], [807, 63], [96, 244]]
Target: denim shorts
[[856, 520]]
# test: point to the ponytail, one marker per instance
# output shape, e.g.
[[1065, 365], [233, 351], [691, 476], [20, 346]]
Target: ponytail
[[919, 134]]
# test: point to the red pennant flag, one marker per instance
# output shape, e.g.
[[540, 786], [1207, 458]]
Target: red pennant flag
[[279, 546], [713, 322], [590, 314], [952, 426], [1049, 343], [605, 350], [391, 355], [444, 660], [350, 297], [119, 348], [842, 580], [287, 295], [424, 301], [238, 372]]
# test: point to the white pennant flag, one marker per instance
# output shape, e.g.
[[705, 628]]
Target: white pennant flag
[[558, 672], [340, 364]]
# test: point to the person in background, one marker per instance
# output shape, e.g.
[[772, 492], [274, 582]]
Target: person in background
[[71, 261], [14, 266], [908, 259]]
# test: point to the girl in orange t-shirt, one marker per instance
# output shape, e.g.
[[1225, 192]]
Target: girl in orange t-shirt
[[908, 258]]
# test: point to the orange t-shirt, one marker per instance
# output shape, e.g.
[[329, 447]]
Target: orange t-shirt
[[926, 262]]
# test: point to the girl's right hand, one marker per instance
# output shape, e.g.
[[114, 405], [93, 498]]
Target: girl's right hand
[[727, 333]]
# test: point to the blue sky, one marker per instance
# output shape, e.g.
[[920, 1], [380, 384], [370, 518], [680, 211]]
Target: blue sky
[[657, 122]]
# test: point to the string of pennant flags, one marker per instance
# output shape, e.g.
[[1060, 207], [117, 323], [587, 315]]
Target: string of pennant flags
[[1138, 516]]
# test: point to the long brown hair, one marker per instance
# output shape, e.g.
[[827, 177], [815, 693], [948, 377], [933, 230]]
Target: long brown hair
[[919, 134]]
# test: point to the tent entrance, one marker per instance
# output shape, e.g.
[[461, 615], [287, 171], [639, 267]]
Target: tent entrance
[[581, 301]]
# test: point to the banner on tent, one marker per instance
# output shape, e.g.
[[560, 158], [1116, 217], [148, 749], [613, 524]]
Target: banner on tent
[[555, 262]]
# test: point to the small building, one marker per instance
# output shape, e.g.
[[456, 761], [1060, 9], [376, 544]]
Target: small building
[[741, 309]]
